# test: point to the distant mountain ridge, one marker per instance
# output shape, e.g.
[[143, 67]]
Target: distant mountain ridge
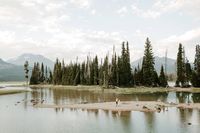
[[171, 64], [11, 72], [31, 58], [4, 64], [13, 69]]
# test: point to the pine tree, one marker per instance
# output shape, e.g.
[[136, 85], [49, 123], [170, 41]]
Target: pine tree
[[148, 65], [33, 79], [96, 71], [122, 66], [106, 72], [120, 71], [57, 73], [101, 75], [50, 77], [46, 74], [42, 77], [125, 77], [129, 81], [188, 73], [136, 77], [196, 71], [162, 78], [35, 76], [181, 70], [156, 80], [82, 74], [114, 68], [26, 69]]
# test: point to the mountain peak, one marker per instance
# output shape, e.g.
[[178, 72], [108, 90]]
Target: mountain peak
[[31, 58]]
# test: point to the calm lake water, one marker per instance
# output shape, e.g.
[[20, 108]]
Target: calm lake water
[[18, 116]]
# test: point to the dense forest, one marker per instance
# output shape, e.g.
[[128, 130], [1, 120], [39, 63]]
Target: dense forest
[[118, 71]]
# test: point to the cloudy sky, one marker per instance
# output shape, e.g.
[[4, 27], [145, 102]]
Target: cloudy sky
[[70, 28]]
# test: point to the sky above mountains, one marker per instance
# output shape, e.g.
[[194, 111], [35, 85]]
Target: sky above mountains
[[70, 28]]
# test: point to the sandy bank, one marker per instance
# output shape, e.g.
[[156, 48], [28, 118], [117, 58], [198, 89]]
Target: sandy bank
[[142, 106], [12, 91]]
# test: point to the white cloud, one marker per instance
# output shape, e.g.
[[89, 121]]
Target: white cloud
[[164, 6], [187, 36], [189, 39], [122, 11], [93, 12], [7, 37], [146, 14], [53, 28], [81, 3]]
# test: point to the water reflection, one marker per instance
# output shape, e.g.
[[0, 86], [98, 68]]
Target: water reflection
[[24, 118], [64, 96]]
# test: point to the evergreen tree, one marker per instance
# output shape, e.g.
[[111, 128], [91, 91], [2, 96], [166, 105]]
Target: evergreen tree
[[120, 72], [148, 69], [26, 70], [125, 77], [128, 69], [50, 77], [42, 77], [35, 76], [162, 78], [156, 80], [96, 71], [136, 77], [181, 70], [106, 73], [57, 73], [101, 75], [114, 70], [196, 71], [83, 74], [188, 73], [46, 74]]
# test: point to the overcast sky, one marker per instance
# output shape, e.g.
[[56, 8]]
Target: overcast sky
[[70, 28]]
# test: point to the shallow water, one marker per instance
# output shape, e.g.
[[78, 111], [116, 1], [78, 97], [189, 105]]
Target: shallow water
[[23, 118]]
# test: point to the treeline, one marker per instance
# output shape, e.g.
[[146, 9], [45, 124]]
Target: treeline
[[146, 75], [186, 74], [41, 75], [116, 72]]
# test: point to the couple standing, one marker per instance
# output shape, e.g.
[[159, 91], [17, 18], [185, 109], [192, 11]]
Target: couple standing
[[117, 102]]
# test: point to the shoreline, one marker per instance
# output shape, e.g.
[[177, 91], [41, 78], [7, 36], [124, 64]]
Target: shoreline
[[119, 90], [142, 106], [6, 91]]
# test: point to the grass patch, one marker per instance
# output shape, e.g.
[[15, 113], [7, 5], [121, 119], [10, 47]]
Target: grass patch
[[99, 89]]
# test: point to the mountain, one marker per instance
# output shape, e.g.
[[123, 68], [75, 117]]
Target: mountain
[[4, 64], [171, 64], [10, 72], [31, 58], [13, 69]]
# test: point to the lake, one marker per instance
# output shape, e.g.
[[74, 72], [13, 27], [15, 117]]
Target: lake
[[17, 115]]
